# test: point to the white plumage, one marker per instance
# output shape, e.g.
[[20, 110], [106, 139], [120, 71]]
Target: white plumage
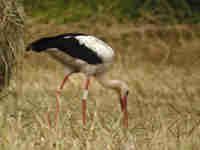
[[101, 48]]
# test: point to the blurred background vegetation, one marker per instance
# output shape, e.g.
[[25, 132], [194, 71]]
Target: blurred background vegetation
[[164, 11], [11, 38]]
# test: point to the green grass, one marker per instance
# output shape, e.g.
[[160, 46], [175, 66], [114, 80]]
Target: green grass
[[156, 12]]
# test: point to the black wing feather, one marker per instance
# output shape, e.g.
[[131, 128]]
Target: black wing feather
[[72, 47], [68, 44]]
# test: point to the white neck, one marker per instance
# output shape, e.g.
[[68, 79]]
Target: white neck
[[118, 85]]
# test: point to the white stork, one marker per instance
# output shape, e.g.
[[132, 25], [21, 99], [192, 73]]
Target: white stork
[[87, 54]]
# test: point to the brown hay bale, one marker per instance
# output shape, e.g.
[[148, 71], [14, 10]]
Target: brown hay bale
[[11, 38]]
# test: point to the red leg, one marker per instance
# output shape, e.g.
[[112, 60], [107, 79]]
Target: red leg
[[85, 94], [122, 103], [57, 101], [124, 109]]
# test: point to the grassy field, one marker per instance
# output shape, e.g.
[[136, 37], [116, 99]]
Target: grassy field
[[161, 66]]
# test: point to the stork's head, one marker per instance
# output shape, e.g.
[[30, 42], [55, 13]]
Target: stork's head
[[124, 94], [123, 91]]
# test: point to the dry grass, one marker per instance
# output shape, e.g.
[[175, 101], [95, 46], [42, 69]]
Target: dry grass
[[161, 70]]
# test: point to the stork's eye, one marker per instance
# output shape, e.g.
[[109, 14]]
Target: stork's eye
[[127, 92]]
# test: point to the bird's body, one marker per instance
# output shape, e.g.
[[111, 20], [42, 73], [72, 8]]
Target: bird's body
[[78, 52], [82, 53]]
